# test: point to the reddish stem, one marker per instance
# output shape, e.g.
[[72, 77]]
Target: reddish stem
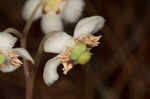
[[29, 76]]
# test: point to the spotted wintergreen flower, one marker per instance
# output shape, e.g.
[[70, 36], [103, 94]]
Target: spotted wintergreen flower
[[72, 50], [53, 12], [9, 56]]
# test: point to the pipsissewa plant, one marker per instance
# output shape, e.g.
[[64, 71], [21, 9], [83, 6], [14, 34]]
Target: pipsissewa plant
[[72, 51]]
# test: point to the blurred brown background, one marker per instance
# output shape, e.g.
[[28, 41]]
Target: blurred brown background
[[119, 69]]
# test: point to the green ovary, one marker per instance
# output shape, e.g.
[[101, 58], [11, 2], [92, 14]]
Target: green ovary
[[81, 54], [77, 51], [84, 58], [2, 59]]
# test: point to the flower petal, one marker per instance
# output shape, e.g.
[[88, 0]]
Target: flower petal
[[73, 10], [89, 25], [8, 68], [23, 53], [58, 42], [7, 41], [50, 74], [61, 6], [51, 22], [29, 7]]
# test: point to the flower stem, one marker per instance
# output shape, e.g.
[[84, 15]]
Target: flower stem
[[41, 46], [28, 75], [14, 31]]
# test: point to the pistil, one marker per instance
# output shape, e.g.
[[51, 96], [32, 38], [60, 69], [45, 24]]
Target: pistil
[[52, 5]]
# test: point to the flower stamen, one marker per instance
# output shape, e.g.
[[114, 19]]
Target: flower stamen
[[67, 67], [90, 40], [14, 59], [65, 60]]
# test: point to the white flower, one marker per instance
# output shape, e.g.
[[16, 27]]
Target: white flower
[[9, 56], [53, 12], [68, 47]]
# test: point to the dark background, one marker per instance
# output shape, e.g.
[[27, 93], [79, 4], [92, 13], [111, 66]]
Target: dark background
[[120, 66]]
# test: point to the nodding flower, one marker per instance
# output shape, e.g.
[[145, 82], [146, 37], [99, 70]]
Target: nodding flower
[[53, 12], [9, 56], [72, 50]]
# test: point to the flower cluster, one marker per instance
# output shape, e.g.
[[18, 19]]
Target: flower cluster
[[72, 50], [53, 12]]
